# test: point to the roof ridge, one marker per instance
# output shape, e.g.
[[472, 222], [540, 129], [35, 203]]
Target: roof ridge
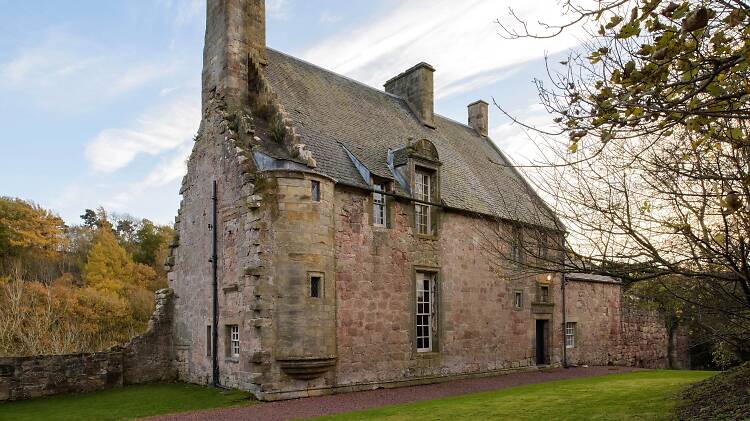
[[336, 74], [362, 84]]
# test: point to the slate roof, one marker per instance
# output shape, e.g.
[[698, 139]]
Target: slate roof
[[330, 111]]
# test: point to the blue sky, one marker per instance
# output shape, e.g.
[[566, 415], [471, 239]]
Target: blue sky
[[100, 100]]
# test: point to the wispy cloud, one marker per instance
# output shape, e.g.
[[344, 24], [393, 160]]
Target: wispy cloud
[[460, 39], [62, 72], [169, 169], [278, 9], [520, 143], [163, 128]]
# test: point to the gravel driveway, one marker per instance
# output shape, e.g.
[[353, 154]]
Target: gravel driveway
[[347, 402]]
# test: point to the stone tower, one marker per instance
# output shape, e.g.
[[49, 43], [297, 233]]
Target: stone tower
[[275, 295]]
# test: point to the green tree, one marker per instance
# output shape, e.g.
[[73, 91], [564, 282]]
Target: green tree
[[89, 218], [649, 164]]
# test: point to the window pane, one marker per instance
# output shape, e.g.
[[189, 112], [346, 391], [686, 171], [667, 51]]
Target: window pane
[[424, 309], [315, 191], [379, 208], [315, 287]]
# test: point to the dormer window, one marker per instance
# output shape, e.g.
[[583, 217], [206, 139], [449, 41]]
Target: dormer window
[[423, 211], [379, 208]]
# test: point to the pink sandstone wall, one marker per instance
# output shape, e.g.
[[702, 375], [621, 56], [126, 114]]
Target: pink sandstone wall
[[479, 330]]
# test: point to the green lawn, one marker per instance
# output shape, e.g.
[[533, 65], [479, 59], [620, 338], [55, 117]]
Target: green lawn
[[639, 395], [642, 395], [123, 403]]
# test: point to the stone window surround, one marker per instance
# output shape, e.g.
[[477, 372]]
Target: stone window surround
[[433, 168], [384, 185], [227, 340], [571, 332], [423, 187], [437, 333], [315, 192], [539, 299], [517, 293], [209, 341], [321, 287]]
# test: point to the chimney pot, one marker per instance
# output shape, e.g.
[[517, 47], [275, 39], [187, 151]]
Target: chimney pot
[[416, 86], [479, 118]]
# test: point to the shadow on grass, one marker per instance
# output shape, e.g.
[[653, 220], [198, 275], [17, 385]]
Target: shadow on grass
[[125, 403]]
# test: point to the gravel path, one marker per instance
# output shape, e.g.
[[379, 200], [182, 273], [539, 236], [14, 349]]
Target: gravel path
[[347, 402]]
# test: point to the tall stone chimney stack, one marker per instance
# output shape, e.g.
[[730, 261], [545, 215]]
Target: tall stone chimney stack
[[417, 87], [235, 31], [479, 117]]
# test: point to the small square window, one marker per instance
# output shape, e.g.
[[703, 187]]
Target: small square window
[[316, 286], [315, 191], [518, 300], [234, 340], [544, 296]]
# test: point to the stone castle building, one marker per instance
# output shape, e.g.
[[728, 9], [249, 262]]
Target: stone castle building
[[330, 237]]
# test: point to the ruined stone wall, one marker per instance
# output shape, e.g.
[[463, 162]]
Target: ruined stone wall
[[221, 153], [146, 358]]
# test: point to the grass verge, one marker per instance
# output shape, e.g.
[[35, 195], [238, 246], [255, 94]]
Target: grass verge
[[723, 397], [125, 403], [640, 395]]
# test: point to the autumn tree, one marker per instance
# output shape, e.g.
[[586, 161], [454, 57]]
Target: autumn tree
[[648, 160], [30, 236]]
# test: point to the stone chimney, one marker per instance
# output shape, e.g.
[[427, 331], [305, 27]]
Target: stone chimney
[[235, 31], [416, 87], [478, 117]]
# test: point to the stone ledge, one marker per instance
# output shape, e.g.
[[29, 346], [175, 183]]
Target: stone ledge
[[356, 387]]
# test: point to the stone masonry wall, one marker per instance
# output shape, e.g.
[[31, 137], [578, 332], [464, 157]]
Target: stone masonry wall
[[146, 358], [594, 308], [614, 330], [221, 154], [45, 375], [479, 331], [644, 340]]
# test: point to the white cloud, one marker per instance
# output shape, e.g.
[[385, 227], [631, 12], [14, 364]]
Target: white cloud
[[169, 169], [460, 40], [160, 129], [66, 74], [520, 143], [278, 9]]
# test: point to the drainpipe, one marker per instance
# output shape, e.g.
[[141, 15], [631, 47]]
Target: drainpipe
[[214, 292], [564, 322]]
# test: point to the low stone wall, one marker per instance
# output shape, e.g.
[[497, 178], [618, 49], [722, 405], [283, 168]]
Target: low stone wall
[[646, 342], [146, 358], [32, 377]]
